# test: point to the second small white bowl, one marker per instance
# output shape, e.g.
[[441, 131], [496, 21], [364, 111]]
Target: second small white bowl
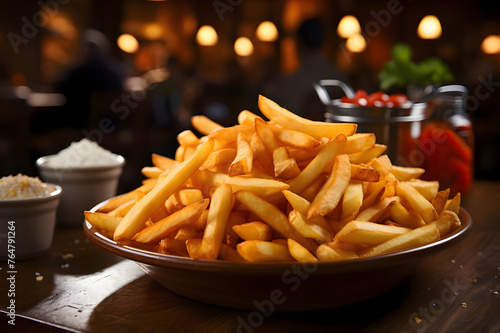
[[83, 187]]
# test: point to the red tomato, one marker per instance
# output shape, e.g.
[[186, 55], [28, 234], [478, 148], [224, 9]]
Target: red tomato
[[378, 98], [360, 93], [398, 99]]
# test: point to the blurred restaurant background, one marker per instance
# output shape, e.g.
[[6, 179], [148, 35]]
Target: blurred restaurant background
[[129, 74]]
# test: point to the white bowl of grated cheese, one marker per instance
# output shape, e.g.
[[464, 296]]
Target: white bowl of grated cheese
[[88, 174], [27, 216]]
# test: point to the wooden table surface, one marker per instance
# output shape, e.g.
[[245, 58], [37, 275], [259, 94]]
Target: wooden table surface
[[81, 287]]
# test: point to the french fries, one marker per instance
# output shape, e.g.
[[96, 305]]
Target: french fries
[[278, 189]]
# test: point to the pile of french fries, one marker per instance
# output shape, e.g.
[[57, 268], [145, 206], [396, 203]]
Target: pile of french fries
[[283, 189]]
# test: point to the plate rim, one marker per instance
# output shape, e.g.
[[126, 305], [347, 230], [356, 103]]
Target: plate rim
[[144, 256]]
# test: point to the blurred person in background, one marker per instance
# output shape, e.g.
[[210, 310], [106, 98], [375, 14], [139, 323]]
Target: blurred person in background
[[95, 71], [295, 91]]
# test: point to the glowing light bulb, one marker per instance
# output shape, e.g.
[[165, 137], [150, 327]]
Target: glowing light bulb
[[128, 43], [356, 43], [207, 36], [267, 31], [491, 44], [348, 26], [243, 46], [429, 28]]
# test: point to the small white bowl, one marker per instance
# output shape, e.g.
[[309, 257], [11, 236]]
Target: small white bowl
[[83, 187], [27, 225]]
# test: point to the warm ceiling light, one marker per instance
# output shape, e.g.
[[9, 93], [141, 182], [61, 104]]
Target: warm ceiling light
[[267, 31], [429, 28], [127, 43], [207, 36], [348, 26], [491, 44], [243, 47], [356, 43], [153, 31]]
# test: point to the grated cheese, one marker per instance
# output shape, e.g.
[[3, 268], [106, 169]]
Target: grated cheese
[[23, 187]]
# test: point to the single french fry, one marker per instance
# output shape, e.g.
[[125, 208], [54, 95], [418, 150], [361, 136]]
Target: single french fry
[[298, 202], [190, 196], [134, 221], [364, 173], [447, 222], [218, 215], [163, 228], [352, 201], [188, 138], [204, 125], [262, 251], [412, 239], [367, 154], [180, 153], [454, 204], [428, 189], [406, 173], [151, 171], [292, 121], [369, 233], [300, 253], [296, 139], [219, 158], [243, 162], [247, 118], [316, 228], [376, 212], [274, 217], [163, 162], [263, 187], [261, 156], [326, 253], [417, 202], [359, 142], [102, 220], [171, 246], [331, 193], [382, 164], [439, 201], [284, 166], [255, 230], [399, 214]]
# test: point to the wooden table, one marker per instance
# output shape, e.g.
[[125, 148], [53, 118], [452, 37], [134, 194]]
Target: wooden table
[[81, 287]]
